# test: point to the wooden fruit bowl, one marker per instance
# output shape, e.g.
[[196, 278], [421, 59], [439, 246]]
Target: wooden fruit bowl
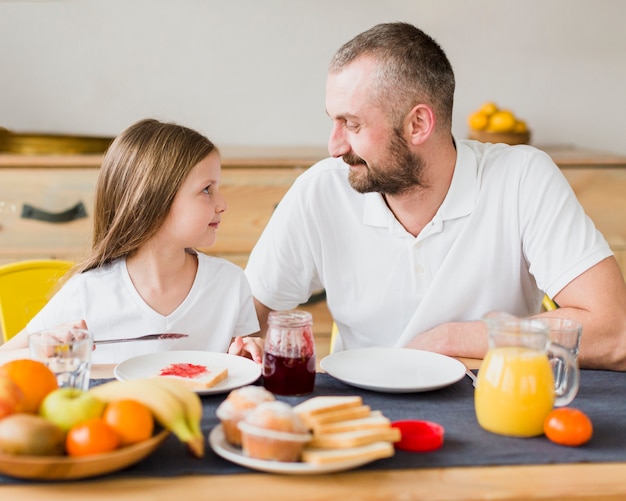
[[500, 137], [68, 468]]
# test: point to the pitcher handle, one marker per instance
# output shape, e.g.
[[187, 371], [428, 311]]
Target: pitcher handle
[[566, 389]]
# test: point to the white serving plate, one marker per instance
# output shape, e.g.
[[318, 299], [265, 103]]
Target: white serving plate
[[222, 448], [393, 370], [241, 371]]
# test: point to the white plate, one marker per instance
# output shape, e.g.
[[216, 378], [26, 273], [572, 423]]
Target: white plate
[[241, 371], [393, 370], [222, 448]]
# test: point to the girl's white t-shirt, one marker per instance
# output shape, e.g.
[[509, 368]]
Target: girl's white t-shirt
[[218, 307]]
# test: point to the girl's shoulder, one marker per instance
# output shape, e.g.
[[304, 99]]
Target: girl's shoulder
[[89, 277]]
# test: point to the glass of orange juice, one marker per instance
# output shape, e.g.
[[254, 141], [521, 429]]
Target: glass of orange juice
[[515, 388]]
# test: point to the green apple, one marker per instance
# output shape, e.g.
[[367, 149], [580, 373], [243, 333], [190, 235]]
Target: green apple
[[11, 397], [66, 407]]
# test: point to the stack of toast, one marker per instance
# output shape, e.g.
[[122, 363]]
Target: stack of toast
[[344, 429]]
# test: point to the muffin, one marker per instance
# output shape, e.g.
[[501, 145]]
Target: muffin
[[238, 403], [272, 431]]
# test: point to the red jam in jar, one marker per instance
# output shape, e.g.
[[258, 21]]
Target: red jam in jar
[[289, 358]]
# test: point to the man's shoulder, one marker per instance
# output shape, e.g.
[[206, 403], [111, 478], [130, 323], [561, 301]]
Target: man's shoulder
[[495, 150], [503, 160], [500, 153]]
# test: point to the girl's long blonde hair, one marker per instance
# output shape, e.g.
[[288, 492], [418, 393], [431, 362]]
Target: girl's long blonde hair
[[141, 173]]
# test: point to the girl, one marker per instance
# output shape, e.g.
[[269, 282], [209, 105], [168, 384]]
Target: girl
[[156, 200]]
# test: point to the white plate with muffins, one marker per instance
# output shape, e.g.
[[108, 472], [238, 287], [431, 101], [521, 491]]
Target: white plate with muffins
[[222, 448]]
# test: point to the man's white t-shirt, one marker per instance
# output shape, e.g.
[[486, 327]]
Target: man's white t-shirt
[[218, 307], [509, 229]]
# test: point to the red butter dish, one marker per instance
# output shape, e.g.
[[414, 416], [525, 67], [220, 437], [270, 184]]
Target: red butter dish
[[419, 436]]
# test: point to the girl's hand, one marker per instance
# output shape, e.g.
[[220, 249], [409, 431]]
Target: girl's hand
[[247, 346], [67, 331]]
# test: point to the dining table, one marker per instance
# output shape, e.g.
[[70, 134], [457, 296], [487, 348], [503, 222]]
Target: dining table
[[472, 463]]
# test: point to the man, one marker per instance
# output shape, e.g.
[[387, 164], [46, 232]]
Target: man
[[415, 235]]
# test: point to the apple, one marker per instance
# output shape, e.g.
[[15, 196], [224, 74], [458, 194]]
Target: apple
[[66, 407], [11, 397]]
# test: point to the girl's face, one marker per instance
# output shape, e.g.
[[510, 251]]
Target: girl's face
[[197, 208]]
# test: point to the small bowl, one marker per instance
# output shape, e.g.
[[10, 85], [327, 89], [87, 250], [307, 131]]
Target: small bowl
[[500, 137], [419, 436]]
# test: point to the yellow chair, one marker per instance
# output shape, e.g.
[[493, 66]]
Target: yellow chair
[[548, 304], [25, 287], [333, 336]]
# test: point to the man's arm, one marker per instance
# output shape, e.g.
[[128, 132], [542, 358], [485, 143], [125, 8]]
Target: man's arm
[[262, 313], [597, 299]]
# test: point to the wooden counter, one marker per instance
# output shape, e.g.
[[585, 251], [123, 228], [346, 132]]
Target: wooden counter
[[591, 482]]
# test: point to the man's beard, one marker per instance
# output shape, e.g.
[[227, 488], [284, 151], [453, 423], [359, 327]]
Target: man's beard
[[400, 172]]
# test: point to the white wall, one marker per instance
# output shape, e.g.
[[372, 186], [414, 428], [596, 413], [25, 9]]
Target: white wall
[[252, 72]]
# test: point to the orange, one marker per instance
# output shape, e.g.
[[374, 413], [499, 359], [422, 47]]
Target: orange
[[501, 121], [478, 120], [92, 436], [520, 127], [33, 378], [489, 108], [11, 397], [130, 419], [568, 426]]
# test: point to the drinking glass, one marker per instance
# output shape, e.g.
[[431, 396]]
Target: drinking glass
[[67, 352]]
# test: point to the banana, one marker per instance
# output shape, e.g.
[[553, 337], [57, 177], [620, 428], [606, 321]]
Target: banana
[[167, 409], [188, 398]]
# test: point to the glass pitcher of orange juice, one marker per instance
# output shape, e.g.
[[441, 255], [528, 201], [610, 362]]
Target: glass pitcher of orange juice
[[515, 388]]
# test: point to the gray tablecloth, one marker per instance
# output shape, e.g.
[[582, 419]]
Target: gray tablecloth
[[602, 396]]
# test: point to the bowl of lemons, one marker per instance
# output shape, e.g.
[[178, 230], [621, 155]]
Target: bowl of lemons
[[492, 124]]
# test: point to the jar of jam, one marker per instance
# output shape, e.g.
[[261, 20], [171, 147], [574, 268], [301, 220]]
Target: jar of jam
[[289, 357]]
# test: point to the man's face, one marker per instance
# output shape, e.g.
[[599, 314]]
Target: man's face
[[378, 154]]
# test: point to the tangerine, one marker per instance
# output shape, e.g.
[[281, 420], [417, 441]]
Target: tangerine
[[489, 108], [478, 120], [35, 380], [131, 420], [520, 127], [92, 436], [501, 121], [568, 426]]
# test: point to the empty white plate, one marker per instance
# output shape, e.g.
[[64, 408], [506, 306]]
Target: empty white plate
[[393, 370]]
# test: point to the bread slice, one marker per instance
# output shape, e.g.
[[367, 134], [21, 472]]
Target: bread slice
[[334, 416], [319, 405], [369, 452], [375, 420], [200, 378], [347, 439]]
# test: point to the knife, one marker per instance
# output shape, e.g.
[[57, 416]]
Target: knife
[[148, 337]]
